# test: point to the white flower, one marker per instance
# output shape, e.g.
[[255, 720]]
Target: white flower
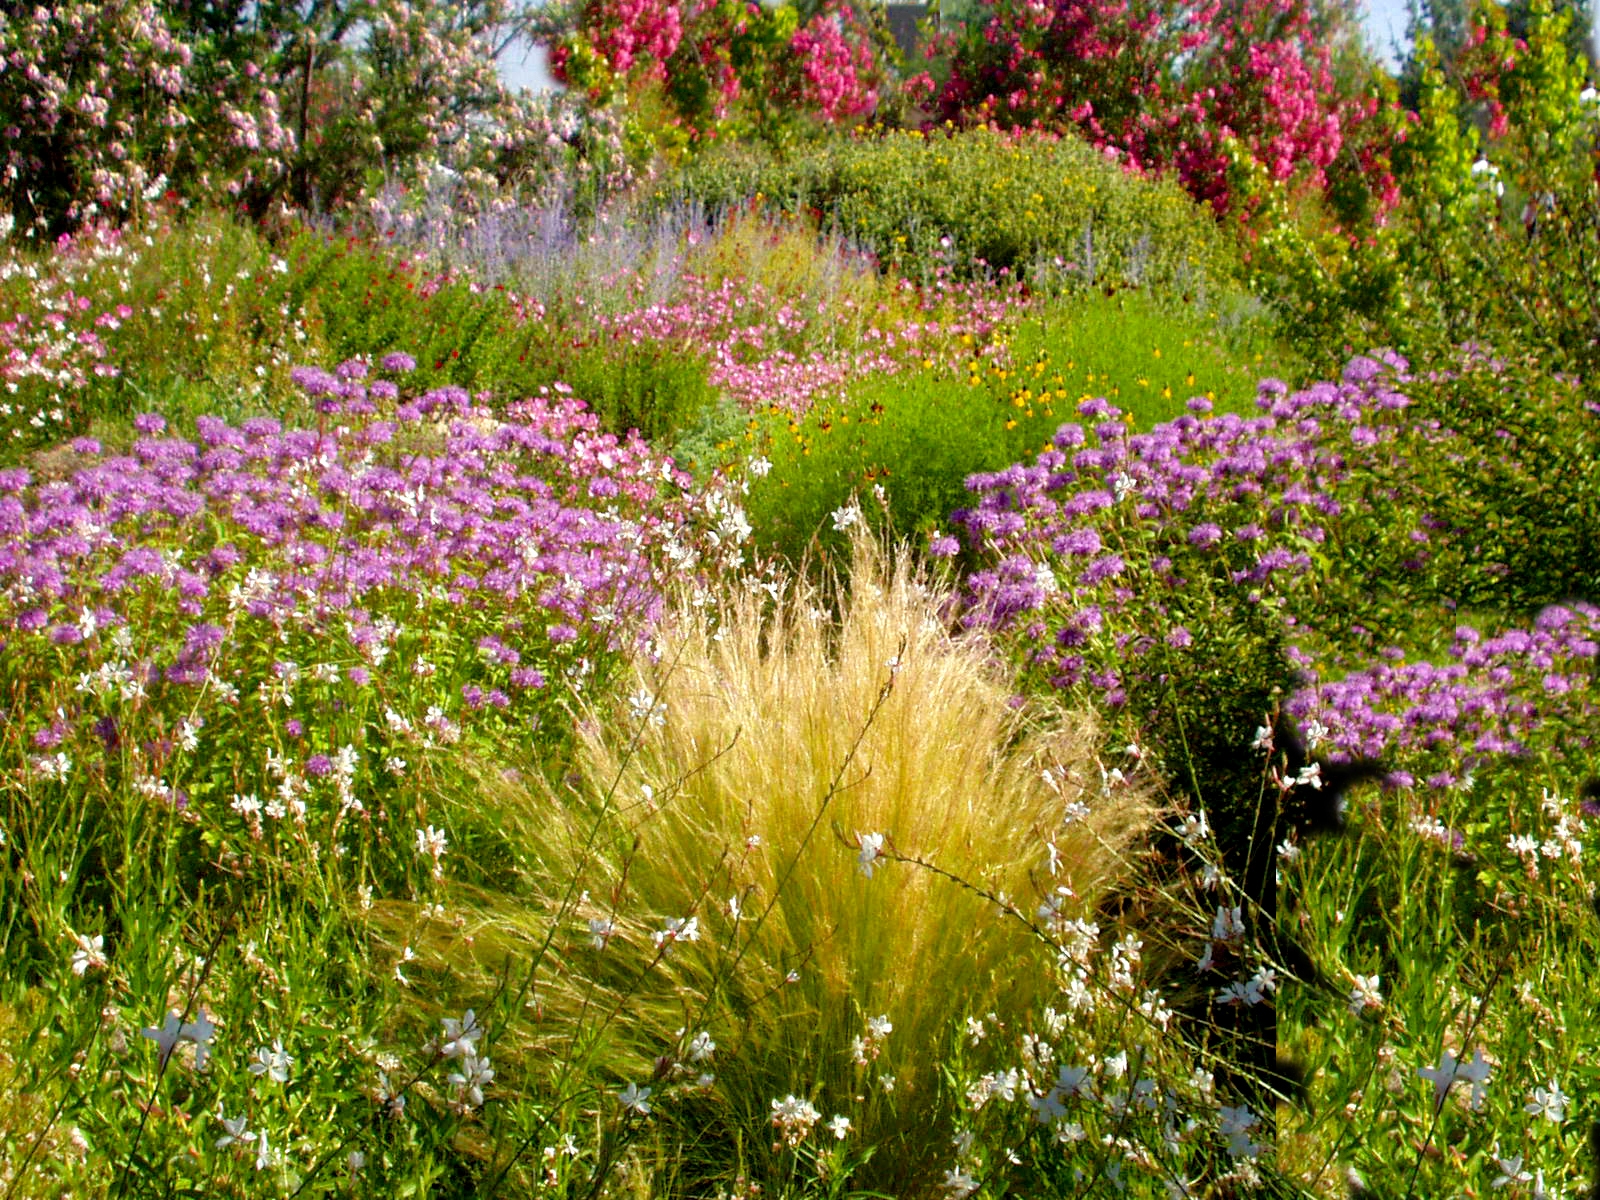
[[273, 1063], [1194, 828], [759, 466], [957, 1183], [461, 1037], [1365, 994], [472, 1077], [1450, 1068], [1548, 1103], [53, 766], [1589, 96], [1072, 1081], [701, 1047], [1228, 925], [678, 929], [90, 954], [199, 1031], [266, 1156], [846, 516], [879, 1027], [1263, 738], [794, 1119], [600, 931], [839, 1125], [643, 707], [1524, 846], [1005, 1085], [1235, 1125], [1488, 176], [871, 851], [237, 1131], [1510, 1172], [1476, 1072], [431, 843], [174, 1030], [634, 1098]]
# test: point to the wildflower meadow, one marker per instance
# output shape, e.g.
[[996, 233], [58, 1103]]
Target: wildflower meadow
[[805, 616]]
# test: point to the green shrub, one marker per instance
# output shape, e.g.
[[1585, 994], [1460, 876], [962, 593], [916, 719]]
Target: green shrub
[[1020, 205], [1522, 479]]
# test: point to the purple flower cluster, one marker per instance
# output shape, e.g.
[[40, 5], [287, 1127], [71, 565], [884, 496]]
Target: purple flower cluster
[[385, 582], [1114, 551], [1492, 694], [1246, 498], [477, 509]]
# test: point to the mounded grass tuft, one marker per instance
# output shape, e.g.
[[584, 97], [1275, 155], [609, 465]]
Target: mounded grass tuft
[[763, 744]]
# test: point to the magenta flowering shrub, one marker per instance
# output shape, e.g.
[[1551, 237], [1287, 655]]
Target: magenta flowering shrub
[[724, 65], [1162, 85], [838, 65], [270, 632], [1201, 574]]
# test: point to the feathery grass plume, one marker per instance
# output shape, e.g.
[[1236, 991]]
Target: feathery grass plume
[[765, 743]]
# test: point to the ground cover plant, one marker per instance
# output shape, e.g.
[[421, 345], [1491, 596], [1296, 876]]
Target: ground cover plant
[[562, 655]]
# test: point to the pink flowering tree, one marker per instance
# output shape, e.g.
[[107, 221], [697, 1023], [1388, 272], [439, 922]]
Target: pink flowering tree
[[1165, 84], [115, 104], [699, 69]]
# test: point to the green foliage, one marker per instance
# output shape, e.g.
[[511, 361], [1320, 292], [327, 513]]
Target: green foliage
[[1521, 488], [1496, 238], [1021, 205], [1468, 949], [365, 301], [196, 316]]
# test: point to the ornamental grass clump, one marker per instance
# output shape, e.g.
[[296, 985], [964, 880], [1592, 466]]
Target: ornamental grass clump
[[770, 779]]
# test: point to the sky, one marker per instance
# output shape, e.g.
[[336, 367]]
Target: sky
[[1385, 22]]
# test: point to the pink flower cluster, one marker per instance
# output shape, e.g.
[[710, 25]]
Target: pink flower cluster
[[765, 353], [1162, 84], [716, 61], [836, 66]]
